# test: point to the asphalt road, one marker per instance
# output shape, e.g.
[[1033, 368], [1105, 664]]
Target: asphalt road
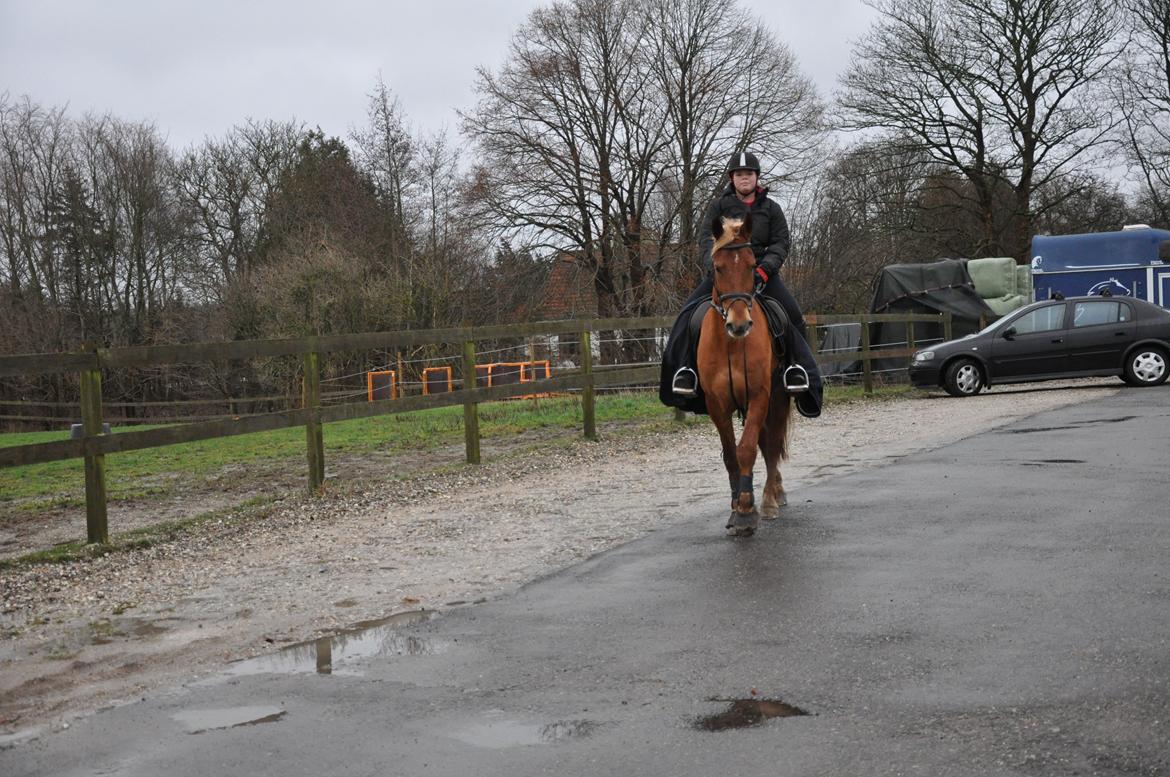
[[999, 606]]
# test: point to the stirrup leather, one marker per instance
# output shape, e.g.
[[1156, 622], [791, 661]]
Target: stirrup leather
[[795, 379], [685, 382]]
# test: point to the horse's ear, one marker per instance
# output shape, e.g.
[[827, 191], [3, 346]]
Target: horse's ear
[[746, 230], [717, 227]]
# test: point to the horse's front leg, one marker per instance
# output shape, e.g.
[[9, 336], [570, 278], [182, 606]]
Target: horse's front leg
[[744, 497], [726, 431]]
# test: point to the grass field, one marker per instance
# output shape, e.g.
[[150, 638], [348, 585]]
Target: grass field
[[140, 474], [136, 474], [158, 472]]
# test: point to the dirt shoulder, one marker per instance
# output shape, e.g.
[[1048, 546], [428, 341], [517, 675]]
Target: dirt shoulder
[[76, 637]]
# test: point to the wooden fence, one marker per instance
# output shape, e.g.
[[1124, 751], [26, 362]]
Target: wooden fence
[[95, 445]]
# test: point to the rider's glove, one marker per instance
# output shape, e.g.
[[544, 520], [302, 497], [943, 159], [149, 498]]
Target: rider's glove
[[761, 279]]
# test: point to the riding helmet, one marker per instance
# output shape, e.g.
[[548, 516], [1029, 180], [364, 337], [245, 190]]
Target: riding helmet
[[743, 160]]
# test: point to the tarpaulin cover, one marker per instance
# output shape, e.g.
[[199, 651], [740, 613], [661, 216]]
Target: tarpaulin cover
[[933, 287]]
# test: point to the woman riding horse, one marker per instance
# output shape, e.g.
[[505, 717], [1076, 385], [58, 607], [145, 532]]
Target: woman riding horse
[[679, 385]]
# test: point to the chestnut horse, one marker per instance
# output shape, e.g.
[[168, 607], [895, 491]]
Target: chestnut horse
[[738, 372]]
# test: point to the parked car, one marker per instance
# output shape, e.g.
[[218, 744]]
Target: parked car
[[1078, 337]]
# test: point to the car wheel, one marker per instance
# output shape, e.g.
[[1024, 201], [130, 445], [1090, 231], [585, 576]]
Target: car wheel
[[1147, 366], [963, 378]]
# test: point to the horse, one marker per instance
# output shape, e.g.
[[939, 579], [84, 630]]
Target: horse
[[739, 371]]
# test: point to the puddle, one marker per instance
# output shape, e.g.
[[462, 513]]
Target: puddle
[[744, 713], [202, 721], [499, 734], [329, 654]]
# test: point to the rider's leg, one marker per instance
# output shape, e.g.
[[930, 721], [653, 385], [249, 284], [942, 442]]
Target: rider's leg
[[680, 347], [776, 289], [802, 376]]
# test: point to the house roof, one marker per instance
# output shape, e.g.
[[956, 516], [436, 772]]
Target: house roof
[[569, 291]]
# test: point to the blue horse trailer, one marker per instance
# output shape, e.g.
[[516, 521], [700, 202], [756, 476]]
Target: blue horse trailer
[[1134, 262]]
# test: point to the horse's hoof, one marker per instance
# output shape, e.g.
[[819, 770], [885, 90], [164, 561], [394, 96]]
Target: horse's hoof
[[782, 500], [770, 512], [742, 524]]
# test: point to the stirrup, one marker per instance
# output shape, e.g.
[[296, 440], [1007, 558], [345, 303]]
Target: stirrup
[[795, 379], [685, 382]]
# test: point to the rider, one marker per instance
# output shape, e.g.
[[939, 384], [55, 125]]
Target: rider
[[770, 243]]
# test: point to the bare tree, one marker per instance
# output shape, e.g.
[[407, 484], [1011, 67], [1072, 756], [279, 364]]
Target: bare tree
[[607, 130], [864, 213], [226, 185], [1000, 91], [568, 133], [728, 84], [385, 151], [1142, 92]]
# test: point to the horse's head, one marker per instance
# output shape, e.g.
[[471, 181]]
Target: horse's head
[[735, 273]]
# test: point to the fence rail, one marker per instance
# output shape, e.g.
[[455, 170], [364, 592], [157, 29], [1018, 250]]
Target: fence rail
[[95, 445]]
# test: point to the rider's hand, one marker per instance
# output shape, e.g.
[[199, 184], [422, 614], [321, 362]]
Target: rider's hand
[[761, 279]]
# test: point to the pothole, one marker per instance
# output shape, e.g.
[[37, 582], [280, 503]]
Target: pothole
[[496, 733], [744, 713]]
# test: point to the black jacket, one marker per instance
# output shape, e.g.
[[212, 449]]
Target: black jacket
[[770, 240]]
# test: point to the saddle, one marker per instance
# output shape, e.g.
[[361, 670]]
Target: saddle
[[777, 320]]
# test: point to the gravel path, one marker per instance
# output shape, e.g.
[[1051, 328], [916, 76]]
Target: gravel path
[[80, 636]]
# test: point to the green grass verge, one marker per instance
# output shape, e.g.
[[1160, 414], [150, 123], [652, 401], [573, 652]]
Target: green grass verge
[[153, 472], [156, 472]]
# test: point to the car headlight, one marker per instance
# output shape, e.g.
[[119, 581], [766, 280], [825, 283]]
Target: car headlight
[[923, 356]]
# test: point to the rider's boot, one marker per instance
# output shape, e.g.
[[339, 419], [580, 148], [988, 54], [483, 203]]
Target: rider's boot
[[685, 382], [807, 405]]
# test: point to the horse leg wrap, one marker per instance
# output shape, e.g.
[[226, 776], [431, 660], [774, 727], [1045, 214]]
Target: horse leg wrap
[[745, 484]]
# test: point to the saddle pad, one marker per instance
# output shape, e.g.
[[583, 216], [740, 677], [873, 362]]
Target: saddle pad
[[773, 312]]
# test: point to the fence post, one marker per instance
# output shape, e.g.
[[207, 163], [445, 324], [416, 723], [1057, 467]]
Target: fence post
[[96, 523], [587, 407], [315, 440], [910, 334], [866, 357], [470, 408], [947, 326]]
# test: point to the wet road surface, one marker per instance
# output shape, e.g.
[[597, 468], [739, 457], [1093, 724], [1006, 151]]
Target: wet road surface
[[999, 606]]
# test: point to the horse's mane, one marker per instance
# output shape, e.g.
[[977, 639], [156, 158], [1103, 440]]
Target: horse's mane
[[730, 234]]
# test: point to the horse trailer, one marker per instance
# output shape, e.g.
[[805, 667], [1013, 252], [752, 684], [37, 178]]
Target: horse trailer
[[1133, 262]]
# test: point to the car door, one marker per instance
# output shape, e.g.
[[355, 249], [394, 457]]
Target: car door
[[1100, 332], [1031, 345]]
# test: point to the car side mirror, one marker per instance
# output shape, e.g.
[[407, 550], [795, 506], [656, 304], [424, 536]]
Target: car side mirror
[[1009, 333]]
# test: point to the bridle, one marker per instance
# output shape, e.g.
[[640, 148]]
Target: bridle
[[730, 299], [734, 297]]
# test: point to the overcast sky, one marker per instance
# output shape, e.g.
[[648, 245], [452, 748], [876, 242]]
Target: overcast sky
[[197, 68]]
